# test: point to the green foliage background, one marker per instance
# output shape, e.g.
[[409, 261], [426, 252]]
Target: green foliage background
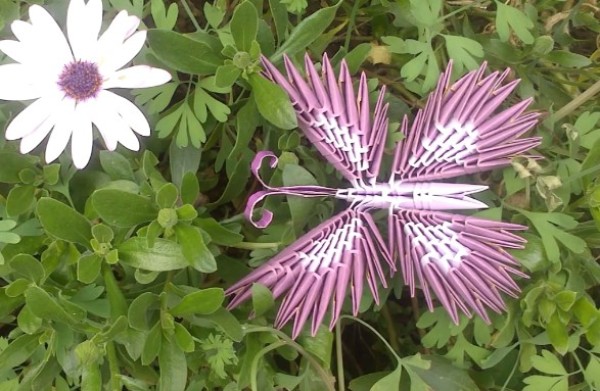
[[113, 276]]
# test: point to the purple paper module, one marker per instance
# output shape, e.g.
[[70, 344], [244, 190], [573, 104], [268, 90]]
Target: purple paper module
[[462, 260]]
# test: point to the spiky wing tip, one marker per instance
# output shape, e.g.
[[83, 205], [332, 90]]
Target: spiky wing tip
[[459, 132], [460, 258], [334, 118], [314, 273]]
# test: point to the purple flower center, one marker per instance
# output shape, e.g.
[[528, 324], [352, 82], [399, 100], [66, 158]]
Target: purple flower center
[[80, 80]]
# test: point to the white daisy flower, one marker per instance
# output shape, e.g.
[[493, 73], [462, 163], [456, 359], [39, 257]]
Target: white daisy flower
[[70, 80]]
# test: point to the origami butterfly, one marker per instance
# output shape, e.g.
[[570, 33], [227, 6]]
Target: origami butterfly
[[461, 259]]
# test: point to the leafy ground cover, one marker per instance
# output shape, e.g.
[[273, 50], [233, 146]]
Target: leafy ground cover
[[113, 276]]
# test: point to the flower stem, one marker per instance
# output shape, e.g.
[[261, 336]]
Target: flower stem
[[351, 24], [255, 246]]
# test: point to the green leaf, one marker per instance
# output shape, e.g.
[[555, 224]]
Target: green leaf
[[227, 75], [557, 332], [44, 306], [183, 161], [19, 351], [390, 381], [203, 302], [508, 17], [194, 249], [273, 103], [464, 51], [20, 200], [25, 265], [173, 366], [165, 255], [244, 25], [190, 188], [123, 209], [545, 383], [218, 233], [306, 32], [152, 345], [163, 18], [262, 299], [548, 363], [88, 268], [442, 375], [11, 164], [63, 222], [166, 196], [137, 314], [568, 59], [183, 53], [184, 339], [116, 165]]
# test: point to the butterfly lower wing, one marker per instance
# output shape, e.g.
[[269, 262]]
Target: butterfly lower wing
[[314, 273], [335, 118], [460, 131], [462, 259]]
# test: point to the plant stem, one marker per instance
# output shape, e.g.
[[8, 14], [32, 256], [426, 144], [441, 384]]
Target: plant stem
[[113, 366], [339, 356], [190, 14], [576, 102], [385, 342], [351, 24], [255, 246]]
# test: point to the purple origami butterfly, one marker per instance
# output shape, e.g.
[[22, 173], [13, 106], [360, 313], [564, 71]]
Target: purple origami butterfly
[[462, 259]]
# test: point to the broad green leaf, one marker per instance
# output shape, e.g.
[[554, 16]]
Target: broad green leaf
[[184, 339], [116, 165], [568, 59], [244, 25], [165, 255], [226, 75], [20, 200], [442, 375], [137, 314], [152, 345], [166, 196], [46, 307], [123, 209], [19, 351], [262, 299], [301, 208], [227, 323], [11, 164], [306, 32], [189, 188], [25, 265], [88, 268], [218, 233], [194, 248], [202, 302], [173, 366], [183, 53], [272, 102], [63, 222], [183, 161]]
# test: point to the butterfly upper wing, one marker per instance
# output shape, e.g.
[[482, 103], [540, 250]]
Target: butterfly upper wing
[[335, 118], [459, 132], [462, 259], [314, 273]]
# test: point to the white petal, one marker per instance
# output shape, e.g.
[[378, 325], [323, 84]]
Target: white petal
[[83, 26], [138, 76], [83, 137], [59, 138], [121, 28], [22, 30], [109, 124], [32, 140], [18, 83], [28, 120], [16, 51], [129, 140], [129, 112], [118, 56], [48, 39]]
